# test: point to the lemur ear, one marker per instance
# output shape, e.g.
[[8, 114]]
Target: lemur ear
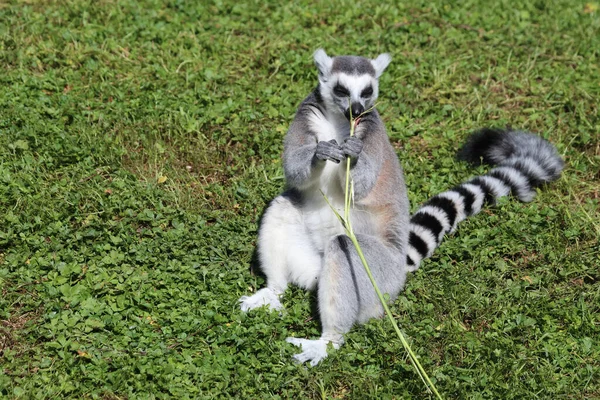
[[381, 63], [323, 63]]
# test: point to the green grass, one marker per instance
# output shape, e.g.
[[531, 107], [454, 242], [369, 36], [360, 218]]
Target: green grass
[[115, 284]]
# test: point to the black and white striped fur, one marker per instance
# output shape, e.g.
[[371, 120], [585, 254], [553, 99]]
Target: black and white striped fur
[[522, 161]]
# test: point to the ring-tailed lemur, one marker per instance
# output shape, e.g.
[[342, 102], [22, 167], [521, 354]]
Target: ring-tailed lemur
[[300, 240]]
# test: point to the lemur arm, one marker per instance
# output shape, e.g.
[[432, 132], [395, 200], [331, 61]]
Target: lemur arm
[[301, 166]]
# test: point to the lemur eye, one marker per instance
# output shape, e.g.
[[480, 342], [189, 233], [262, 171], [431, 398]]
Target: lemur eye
[[367, 92], [341, 91]]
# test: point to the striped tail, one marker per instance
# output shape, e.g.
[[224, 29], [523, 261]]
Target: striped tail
[[522, 161]]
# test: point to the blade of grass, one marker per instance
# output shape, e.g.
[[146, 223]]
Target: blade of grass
[[420, 370], [345, 221]]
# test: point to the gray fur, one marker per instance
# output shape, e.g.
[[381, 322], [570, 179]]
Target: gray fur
[[352, 147], [524, 145], [301, 241], [345, 283], [352, 65], [329, 151], [294, 235]]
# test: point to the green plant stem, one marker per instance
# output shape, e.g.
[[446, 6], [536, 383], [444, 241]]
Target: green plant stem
[[347, 190], [421, 371], [348, 177], [350, 232]]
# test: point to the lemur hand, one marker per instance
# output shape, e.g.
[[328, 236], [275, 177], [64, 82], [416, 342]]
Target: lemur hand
[[329, 151], [352, 146]]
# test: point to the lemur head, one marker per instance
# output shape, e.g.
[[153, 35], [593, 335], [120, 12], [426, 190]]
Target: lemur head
[[349, 83]]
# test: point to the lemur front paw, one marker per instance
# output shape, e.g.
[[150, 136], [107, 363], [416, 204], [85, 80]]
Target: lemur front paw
[[329, 151], [352, 146]]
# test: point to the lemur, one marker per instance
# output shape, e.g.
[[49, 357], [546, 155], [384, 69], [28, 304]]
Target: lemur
[[301, 241]]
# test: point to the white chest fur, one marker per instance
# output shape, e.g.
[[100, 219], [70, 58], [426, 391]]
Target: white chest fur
[[320, 221], [327, 128]]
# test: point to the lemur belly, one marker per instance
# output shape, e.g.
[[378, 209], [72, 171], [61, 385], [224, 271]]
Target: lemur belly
[[320, 222], [322, 225]]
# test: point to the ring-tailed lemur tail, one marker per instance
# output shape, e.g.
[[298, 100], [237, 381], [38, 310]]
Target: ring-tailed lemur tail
[[522, 162]]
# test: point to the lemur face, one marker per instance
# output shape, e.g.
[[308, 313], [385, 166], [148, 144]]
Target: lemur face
[[349, 84]]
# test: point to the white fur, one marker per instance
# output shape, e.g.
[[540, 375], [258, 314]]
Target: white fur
[[356, 84], [264, 297], [531, 164], [304, 261], [315, 350], [440, 215], [321, 224], [328, 128], [381, 63], [291, 255], [497, 186], [457, 199], [415, 256], [312, 350], [323, 62], [524, 190], [479, 197], [427, 237], [279, 222]]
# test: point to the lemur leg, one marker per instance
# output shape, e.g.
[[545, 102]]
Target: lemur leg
[[346, 295], [285, 254]]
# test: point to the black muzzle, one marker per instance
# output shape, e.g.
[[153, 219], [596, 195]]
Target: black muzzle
[[357, 109]]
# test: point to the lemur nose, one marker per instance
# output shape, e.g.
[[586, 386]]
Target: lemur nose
[[357, 109]]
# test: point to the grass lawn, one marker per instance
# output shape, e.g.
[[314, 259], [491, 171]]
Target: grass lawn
[[141, 140]]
